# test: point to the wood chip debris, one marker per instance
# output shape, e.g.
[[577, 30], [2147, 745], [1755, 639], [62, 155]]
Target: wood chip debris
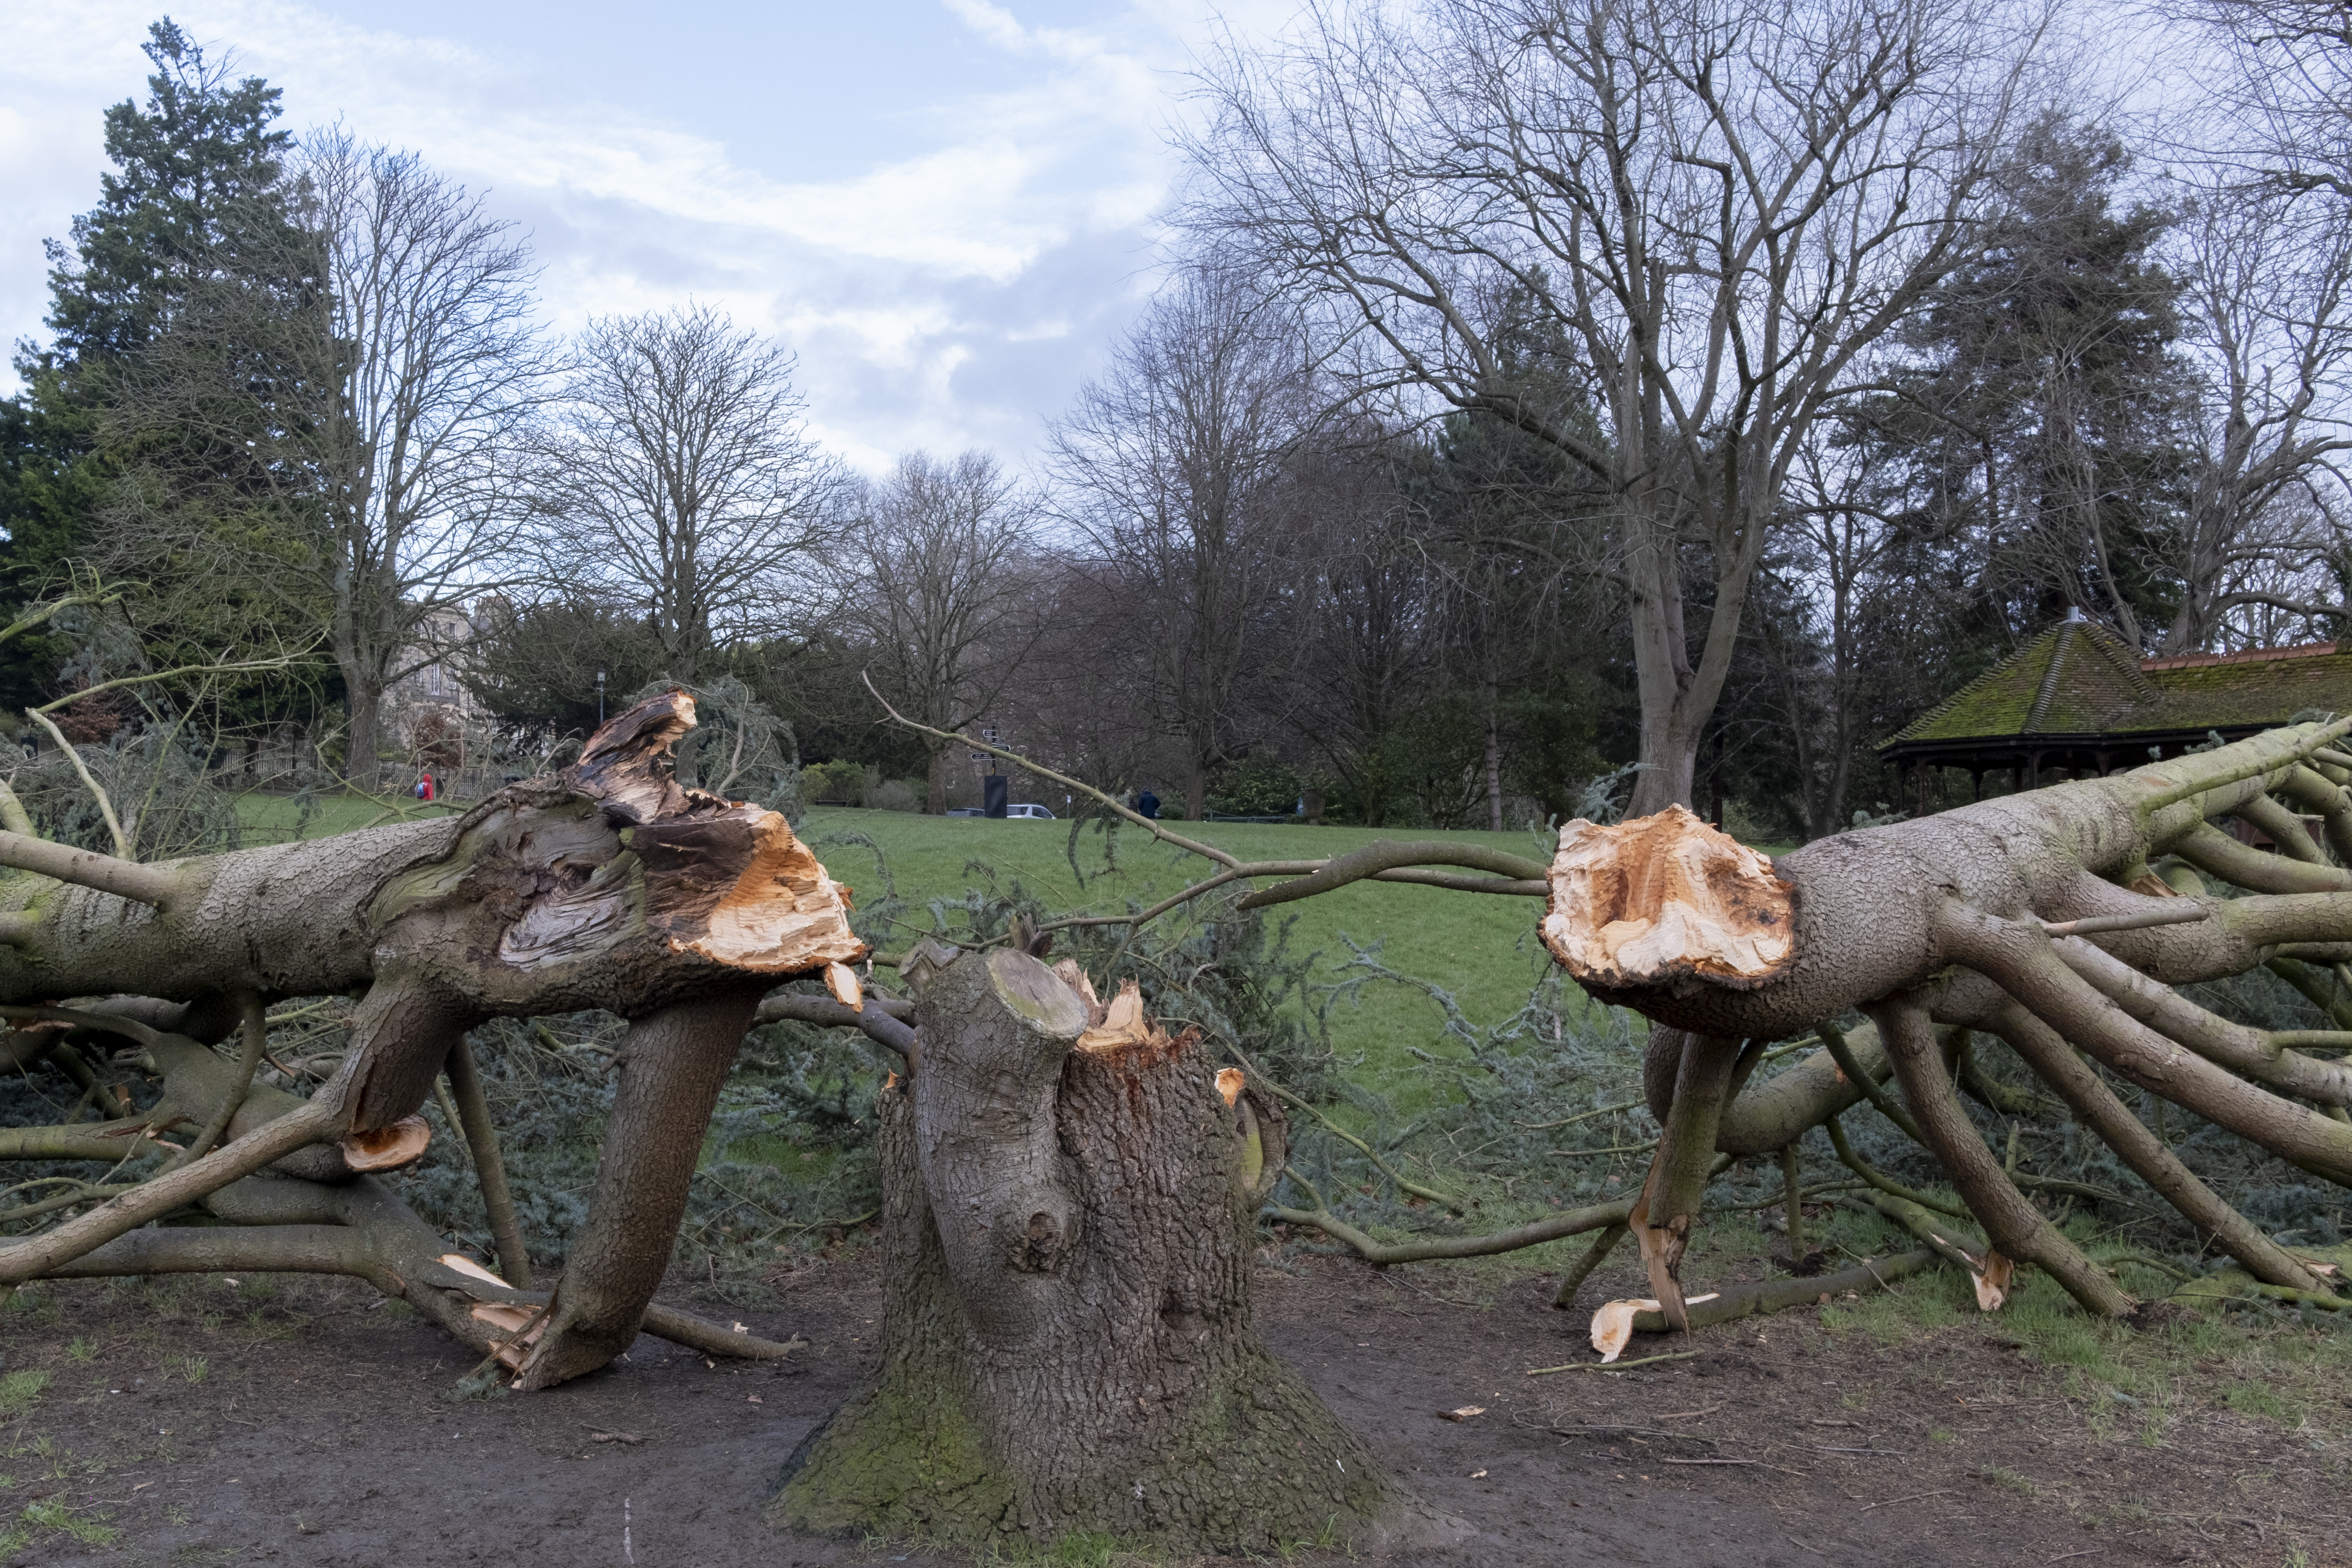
[[1462, 1413], [630, 1439]]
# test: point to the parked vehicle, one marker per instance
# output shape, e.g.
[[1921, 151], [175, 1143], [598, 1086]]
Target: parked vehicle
[[1028, 814]]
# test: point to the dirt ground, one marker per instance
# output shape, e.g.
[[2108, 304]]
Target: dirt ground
[[314, 1431]]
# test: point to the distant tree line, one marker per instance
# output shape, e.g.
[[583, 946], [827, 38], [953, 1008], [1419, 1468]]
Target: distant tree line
[[1545, 412]]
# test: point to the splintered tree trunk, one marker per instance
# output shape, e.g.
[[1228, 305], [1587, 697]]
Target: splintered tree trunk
[[2037, 919], [1066, 1340], [607, 887]]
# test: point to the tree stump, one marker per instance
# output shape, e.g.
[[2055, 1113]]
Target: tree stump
[[1067, 1343]]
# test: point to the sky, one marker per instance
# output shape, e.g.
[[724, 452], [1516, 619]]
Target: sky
[[945, 208]]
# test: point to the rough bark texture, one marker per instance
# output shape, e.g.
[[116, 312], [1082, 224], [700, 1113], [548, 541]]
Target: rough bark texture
[[2035, 917], [673, 1065], [1067, 1330], [609, 886]]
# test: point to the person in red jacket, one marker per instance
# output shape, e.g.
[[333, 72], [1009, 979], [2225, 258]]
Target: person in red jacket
[[425, 787]]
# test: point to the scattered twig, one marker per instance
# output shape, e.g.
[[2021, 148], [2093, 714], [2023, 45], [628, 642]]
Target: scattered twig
[[105, 805], [1612, 1366]]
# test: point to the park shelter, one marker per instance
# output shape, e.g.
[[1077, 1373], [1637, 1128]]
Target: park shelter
[[2078, 702]]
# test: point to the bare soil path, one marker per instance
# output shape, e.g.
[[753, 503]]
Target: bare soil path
[[314, 1433]]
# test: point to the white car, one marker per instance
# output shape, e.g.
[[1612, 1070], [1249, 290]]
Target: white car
[[1028, 813]]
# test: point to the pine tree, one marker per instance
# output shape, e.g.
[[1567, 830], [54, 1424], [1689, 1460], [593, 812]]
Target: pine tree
[[192, 165]]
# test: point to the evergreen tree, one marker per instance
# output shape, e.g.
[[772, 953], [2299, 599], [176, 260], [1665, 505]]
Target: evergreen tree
[[191, 165], [2037, 420]]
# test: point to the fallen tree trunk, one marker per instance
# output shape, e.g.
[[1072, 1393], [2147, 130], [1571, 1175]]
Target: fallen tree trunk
[[608, 886], [1066, 1338], [2034, 917]]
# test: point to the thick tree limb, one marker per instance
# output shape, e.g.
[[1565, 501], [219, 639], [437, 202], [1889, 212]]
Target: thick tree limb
[[2015, 1226], [673, 1065], [489, 1164], [124, 879], [2253, 1052], [2024, 963], [2055, 1063]]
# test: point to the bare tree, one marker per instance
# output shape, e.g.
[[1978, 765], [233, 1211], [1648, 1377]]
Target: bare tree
[[2272, 281], [681, 480], [335, 419], [2282, 113], [943, 593], [1379, 627], [1177, 464], [1721, 206]]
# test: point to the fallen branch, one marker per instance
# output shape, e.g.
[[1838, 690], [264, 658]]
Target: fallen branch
[[878, 1021], [473, 1119], [320, 1118], [86, 868], [1737, 1301], [1569, 1222], [105, 804], [1612, 1365]]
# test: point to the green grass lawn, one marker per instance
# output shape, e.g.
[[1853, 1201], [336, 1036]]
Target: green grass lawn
[[279, 818], [1481, 948]]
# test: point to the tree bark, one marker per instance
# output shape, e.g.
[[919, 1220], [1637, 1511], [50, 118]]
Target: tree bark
[[1066, 1339], [364, 704], [2034, 916], [672, 1067], [609, 886]]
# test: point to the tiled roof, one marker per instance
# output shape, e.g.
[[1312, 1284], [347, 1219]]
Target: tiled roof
[[2079, 679]]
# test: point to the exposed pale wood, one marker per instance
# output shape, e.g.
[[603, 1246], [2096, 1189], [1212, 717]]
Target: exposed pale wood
[[1614, 1322], [1612, 1325], [1664, 896], [1993, 1282], [388, 1148], [1229, 1084], [459, 1263], [1122, 1023], [842, 980], [511, 1322], [1077, 980]]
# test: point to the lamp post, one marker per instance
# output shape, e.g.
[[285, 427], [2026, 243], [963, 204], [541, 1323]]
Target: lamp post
[[600, 697]]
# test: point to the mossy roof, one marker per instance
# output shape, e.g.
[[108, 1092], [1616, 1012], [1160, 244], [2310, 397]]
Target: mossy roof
[[2079, 679]]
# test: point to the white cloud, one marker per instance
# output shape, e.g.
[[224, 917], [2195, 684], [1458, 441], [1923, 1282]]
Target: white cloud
[[950, 291]]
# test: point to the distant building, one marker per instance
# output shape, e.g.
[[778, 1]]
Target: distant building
[[428, 711], [2077, 702]]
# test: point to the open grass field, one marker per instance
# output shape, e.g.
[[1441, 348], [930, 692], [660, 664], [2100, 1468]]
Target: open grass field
[[268, 818], [1481, 949]]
